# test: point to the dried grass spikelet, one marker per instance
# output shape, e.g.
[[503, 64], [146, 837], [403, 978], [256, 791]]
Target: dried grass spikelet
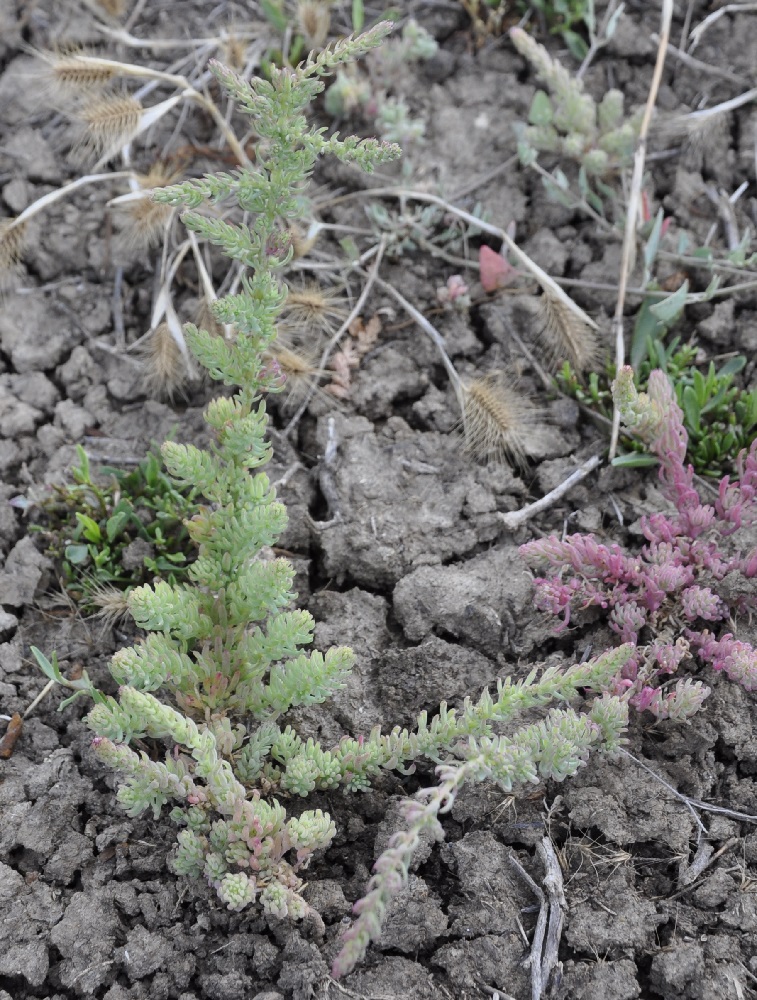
[[301, 371], [566, 336], [310, 307], [303, 242], [108, 124], [166, 372], [116, 8], [314, 20], [206, 318], [145, 220], [75, 74], [706, 134], [234, 51], [111, 604], [497, 420], [11, 250]]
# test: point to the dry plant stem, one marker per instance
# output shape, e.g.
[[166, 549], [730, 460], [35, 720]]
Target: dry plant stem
[[696, 117], [61, 192], [547, 381], [377, 252], [553, 883], [730, 8], [132, 42], [326, 478], [515, 518], [543, 957], [703, 859], [686, 801], [598, 41], [634, 204], [43, 693], [702, 67], [433, 333]]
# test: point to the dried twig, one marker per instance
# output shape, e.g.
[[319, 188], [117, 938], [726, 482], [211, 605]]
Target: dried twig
[[543, 957], [730, 8], [634, 203], [515, 518]]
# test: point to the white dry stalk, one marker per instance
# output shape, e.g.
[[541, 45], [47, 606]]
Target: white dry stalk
[[634, 206], [430, 330], [124, 37], [207, 284], [730, 8], [515, 518], [53, 196], [164, 308]]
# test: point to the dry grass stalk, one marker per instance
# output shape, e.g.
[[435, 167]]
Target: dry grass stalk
[[633, 207], [566, 336], [165, 371], [496, 420]]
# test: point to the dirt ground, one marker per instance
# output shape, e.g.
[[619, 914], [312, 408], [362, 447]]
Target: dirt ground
[[419, 575]]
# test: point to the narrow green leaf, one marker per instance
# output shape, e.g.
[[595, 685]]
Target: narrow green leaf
[[90, 527], [635, 460], [732, 366], [50, 669], [116, 524], [691, 408], [273, 12], [647, 328], [669, 309]]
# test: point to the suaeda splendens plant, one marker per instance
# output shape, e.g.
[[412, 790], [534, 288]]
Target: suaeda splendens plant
[[223, 658], [692, 575]]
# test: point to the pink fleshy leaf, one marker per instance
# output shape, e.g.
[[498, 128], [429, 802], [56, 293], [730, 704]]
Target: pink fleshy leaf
[[496, 273]]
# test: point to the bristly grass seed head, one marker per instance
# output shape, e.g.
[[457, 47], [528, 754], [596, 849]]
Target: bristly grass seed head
[[111, 604], [108, 124], [566, 336], [76, 75], [314, 20], [311, 309], [301, 371], [497, 420], [165, 373], [145, 220], [11, 250]]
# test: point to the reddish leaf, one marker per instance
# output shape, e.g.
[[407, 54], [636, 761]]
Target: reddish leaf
[[495, 271]]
